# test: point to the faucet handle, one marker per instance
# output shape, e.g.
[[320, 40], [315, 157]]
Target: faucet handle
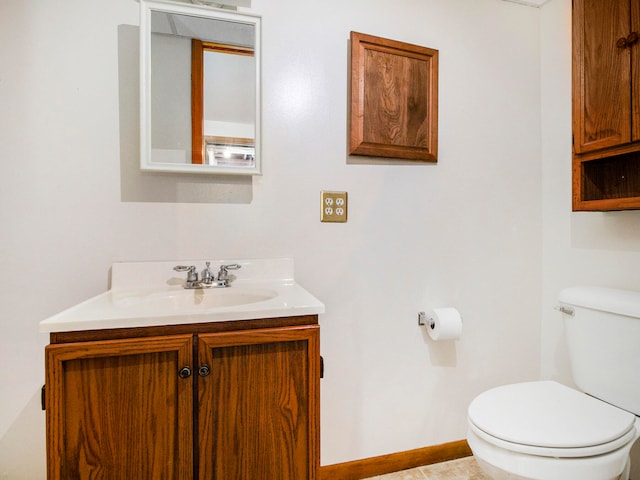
[[233, 266], [192, 276], [184, 268], [223, 274]]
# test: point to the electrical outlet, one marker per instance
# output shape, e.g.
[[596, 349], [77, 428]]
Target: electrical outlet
[[333, 206]]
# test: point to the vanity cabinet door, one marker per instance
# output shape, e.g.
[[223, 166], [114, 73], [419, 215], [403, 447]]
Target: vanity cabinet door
[[258, 416], [119, 409]]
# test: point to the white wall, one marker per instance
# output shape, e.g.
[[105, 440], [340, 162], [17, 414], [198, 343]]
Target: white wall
[[465, 232], [170, 99]]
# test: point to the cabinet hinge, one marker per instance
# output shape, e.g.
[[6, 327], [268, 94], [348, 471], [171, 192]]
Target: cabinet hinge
[[321, 367], [43, 397]]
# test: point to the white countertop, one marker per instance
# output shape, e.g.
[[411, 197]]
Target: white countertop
[[147, 294]]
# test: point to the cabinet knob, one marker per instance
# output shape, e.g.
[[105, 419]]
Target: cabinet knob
[[628, 41], [184, 372], [204, 370]]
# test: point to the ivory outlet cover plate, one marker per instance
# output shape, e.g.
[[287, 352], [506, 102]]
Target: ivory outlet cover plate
[[333, 206]]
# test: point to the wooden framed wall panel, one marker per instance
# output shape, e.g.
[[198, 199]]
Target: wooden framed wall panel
[[394, 99]]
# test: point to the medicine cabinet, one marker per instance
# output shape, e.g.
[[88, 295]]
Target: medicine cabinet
[[199, 89]]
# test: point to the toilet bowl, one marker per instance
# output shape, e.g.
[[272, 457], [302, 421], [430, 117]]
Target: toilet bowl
[[547, 431]]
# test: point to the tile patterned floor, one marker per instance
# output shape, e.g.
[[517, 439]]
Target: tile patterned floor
[[463, 469]]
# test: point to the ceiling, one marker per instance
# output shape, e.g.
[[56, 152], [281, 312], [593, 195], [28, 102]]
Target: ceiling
[[204, 28]]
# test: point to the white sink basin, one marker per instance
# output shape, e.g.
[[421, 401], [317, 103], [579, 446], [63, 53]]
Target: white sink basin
[[151, 294], [178, 300]]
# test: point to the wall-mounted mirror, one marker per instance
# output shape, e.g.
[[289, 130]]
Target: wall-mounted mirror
[[200, 89]]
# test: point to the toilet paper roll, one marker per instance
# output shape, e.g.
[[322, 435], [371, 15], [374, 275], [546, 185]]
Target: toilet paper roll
[[444, 323]]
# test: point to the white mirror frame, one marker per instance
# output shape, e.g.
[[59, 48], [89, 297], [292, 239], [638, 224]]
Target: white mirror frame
[[146, 6]]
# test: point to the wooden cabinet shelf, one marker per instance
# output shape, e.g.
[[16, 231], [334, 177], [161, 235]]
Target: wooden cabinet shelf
[[215, 403], [606, 105], [611, 178]]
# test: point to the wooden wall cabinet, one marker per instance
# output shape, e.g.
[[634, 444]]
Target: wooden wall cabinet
[[221, 401], [606, 105]]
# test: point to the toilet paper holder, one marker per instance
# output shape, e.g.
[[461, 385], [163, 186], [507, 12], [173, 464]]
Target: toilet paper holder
[[422, 320], [444, 323]]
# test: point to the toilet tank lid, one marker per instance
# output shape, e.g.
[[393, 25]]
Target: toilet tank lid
[[622, 302]]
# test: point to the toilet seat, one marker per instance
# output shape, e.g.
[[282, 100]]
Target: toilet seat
[[549, 419]]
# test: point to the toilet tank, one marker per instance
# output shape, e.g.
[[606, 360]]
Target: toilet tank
[[603, 337]]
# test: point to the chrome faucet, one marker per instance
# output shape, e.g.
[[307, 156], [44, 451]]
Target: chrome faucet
[[208, 279], [207, 274]]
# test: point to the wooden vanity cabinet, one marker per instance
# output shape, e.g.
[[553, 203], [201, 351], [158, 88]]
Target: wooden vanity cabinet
[[221, 402], [606, 105]]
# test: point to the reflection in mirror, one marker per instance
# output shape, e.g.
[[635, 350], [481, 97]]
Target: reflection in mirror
[[200, 89], [223, 106]]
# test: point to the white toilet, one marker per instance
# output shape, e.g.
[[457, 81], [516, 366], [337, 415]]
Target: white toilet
[[547, 431]]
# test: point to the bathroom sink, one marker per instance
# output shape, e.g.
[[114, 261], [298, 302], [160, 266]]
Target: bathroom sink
[[150, 294], [179, 300]]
